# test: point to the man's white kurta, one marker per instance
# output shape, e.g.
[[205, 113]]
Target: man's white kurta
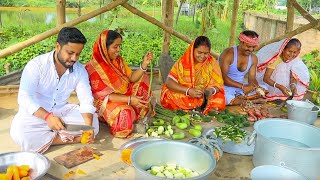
[[40, 86]]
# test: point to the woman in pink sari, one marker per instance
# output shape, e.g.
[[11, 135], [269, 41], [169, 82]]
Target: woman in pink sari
[[120, 94], [281, 71]]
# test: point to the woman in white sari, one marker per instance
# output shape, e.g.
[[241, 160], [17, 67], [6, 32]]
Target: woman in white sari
[[281, 71]]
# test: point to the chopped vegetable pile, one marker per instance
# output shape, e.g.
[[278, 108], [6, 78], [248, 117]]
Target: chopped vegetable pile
[[231, 118], [172, 171], [229, 132]]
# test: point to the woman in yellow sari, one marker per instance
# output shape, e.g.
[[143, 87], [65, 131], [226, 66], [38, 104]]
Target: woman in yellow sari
[[194, 77], [121, 95]]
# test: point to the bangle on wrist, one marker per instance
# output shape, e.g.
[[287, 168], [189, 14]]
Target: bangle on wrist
[[47, 116], [129, 100], [187, 91], [274, 85], [215, 91], [142, 68]]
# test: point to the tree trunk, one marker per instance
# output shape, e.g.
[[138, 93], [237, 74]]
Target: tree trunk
[[234, 23], [303, 12], [0, 20], [179, 9], [79, 8], [203, 21], [17, 47], [194, 12], [225, 10], [101, 17], [61, 12], [290, 16], [165, 61], [154, 8], [167, 19]]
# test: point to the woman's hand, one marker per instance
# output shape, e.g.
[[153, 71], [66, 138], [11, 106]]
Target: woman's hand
[[138, 102], [148, 57], [212, 91], [293, 89], [284, 90], [195, 93]]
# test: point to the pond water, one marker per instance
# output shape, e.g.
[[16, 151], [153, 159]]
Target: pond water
[[26, 17]]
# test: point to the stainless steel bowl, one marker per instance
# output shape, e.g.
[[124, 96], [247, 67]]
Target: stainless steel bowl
[[38, 163], [167, 151]]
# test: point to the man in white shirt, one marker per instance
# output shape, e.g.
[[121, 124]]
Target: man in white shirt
[[46, 84]]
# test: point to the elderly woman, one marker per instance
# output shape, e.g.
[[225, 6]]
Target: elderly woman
[[193, 79], [121, 95], [281, 71]]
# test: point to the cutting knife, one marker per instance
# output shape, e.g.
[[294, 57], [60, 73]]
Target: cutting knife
[[284, 102], [76, 127]]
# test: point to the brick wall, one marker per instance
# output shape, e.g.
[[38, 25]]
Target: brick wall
[[271, 26]]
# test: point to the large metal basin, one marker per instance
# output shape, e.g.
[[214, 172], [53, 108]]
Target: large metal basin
[[288, 143], [167, 151], [302, 111]]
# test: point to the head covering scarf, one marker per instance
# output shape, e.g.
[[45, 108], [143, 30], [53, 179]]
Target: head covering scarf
[[184, 71], [202, 75], [254, 41], [112, 76], [105, 77], [269, 54]]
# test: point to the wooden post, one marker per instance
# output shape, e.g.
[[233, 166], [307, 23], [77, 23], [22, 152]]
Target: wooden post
[[203, 22], [290, 16], [233, 27], [17, 47], [79, 8], [179, 9], [303, 12], [7, 68], [167, 19], [61, 12], [159, 24], [0, 20], [154, 9]]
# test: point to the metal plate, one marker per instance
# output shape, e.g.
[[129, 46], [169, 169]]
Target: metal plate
[[38, 163], [235, 148]]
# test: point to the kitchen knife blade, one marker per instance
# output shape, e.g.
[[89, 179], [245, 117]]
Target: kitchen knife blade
[[76, 127]]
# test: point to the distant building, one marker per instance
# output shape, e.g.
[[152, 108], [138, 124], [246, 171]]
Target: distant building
[[280, 7], [315, 10], [187, 9]]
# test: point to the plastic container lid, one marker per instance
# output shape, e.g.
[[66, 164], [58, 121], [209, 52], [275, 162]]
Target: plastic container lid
[[267, 172]]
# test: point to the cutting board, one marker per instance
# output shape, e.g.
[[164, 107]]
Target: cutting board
[[76, 157]]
